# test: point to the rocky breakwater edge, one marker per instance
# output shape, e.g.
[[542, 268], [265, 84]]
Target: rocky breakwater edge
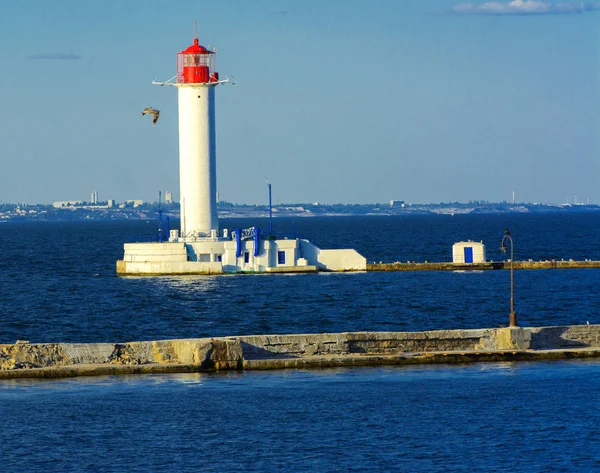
[[267, 352]]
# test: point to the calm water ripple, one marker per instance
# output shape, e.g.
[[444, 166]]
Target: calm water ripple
[[58, 283], [492, 417]]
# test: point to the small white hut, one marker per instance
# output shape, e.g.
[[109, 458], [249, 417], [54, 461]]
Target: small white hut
[[468, 252]]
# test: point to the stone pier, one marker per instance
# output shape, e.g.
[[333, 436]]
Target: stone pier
[[261, 352], [488, 265]]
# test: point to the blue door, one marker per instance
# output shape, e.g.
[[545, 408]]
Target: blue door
[[468, 254]]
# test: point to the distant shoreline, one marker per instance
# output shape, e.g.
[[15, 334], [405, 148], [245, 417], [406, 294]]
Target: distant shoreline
[[146, 211]]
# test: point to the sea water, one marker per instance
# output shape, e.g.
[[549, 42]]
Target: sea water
[[58, 284]]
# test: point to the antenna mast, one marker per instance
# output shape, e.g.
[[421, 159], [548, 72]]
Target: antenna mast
[[160, 219], [270, 209], [195, 30]]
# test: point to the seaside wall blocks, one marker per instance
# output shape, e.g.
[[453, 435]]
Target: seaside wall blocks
[[295, 350]]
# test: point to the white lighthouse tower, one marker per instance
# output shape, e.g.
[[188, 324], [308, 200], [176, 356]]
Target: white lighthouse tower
[[196, 82], [198, 247]]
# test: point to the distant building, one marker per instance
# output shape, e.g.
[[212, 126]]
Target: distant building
[[111, 202], [67, 203], [94, 197], [168, 197], [396, 203], [135, 203]]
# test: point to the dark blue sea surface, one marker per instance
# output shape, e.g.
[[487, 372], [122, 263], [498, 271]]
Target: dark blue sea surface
[[58, 283], [496, 417]]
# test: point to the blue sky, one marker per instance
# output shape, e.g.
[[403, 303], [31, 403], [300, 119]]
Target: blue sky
[[342, 101]]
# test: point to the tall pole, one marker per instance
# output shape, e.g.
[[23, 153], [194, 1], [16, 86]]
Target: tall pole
[[270, 211], [160, 220], [512, 318]]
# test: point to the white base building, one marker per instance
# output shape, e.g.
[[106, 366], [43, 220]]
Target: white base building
[[215, 255]]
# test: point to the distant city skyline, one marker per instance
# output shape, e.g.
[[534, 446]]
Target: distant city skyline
[[167, 199], [334, 102]]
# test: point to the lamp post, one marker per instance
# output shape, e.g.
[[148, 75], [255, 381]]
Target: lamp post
[[512, 321]]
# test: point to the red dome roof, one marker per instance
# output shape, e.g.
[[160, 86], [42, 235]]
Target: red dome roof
[[196, 49]]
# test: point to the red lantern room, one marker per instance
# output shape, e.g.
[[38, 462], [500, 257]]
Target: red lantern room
[[196, 65]]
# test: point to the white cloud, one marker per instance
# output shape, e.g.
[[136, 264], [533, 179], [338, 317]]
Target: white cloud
[[524, 7]]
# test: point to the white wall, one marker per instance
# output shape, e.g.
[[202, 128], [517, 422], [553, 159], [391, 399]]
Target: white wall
[[197, 159], [332, 260], [458, 251], [168, 252]]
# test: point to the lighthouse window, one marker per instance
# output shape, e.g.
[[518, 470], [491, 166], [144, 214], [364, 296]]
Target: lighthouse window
[[281, 257], [246, 257]]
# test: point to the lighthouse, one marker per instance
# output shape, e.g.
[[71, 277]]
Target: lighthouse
[[199, 247], [196, 81]]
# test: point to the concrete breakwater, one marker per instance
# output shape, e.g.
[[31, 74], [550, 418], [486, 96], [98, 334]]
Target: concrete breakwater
[[262, 352], [488, 265]]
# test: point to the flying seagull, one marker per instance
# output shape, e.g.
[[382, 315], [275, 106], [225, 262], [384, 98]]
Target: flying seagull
[[151, 111]]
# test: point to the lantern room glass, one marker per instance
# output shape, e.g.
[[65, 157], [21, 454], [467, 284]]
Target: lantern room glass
[[195, 68]]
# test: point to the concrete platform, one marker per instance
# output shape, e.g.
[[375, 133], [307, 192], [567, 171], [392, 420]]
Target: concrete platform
[[268, 352]]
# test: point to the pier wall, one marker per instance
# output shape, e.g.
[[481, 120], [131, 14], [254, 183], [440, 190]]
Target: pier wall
[[488, 265], [24, 359]]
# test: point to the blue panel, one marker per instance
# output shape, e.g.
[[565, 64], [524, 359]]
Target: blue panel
[[468, 254], [238, 242], [257, 232], [281, 257]]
